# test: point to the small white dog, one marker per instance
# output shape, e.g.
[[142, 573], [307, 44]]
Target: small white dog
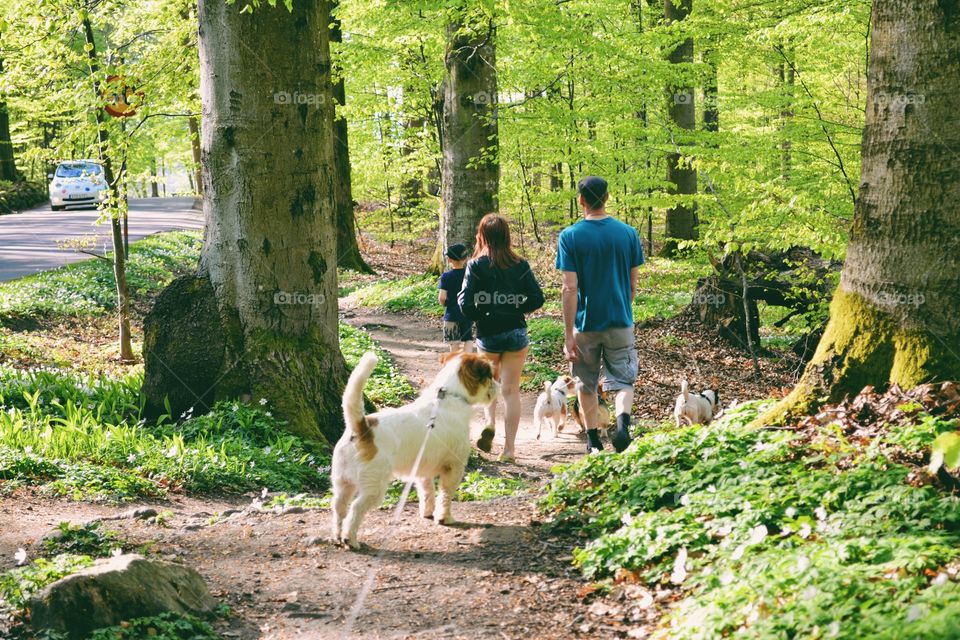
[[696, 408], [551, 404], [376, 448]]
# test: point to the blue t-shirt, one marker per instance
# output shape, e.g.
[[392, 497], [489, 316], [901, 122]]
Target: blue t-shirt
[[452, 281], [602, 253]]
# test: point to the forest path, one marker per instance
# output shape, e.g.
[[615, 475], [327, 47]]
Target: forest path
[[496, 574]]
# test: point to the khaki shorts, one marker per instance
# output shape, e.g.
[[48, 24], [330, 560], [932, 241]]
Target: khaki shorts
[[611, 353]]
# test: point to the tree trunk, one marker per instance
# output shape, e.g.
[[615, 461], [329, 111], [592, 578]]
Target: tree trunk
[[471, 169], [348, 253], [8, 166], [270, 247], [197, 179], [116, 200], [681, 222], [154, 186], [895, 318]]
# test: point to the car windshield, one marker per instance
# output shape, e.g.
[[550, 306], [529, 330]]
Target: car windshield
[[78, 169]]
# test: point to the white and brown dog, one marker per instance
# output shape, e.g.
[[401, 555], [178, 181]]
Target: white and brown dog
[[381, 446], [696, 408], [551, 407]]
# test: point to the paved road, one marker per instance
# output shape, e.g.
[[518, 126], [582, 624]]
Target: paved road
[[29, 240]]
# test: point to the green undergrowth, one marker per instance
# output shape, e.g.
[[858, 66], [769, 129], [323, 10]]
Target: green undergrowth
[[387, 387], [769, 533], [417, 293], [545, 358], [87, 288], [82, 436]]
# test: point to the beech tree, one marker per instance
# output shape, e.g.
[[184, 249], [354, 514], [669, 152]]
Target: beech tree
[[348, 253], [681, 220], [259, 319], [471, 167], [895, 317]]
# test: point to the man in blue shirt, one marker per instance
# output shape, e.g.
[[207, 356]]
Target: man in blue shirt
[[600, 257]]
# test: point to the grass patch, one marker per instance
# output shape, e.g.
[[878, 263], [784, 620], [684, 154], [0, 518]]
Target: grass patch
[[765, 536], [88, 288], [387, 387], [417, 293]]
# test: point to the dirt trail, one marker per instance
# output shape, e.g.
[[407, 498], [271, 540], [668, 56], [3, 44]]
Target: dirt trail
[[495, 575]]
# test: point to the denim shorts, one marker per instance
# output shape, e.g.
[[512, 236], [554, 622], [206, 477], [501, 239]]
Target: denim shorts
[[512, 340]]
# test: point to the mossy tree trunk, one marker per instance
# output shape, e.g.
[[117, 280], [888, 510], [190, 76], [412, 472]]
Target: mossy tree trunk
[[8, 166], [270, 245], [681, 219], [895, 318], [471, 168]]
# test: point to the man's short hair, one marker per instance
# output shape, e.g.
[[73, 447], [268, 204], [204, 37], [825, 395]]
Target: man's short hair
[[594, 191]]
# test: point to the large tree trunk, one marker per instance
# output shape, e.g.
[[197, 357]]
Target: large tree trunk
[[270, 247], [471, 169], [8, 167], [348, 252], [681, 222], [895, 318]]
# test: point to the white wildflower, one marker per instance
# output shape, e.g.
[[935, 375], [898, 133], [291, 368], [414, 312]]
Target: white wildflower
[[679, 567], [235, 407], [803, 563], [941, 579], [132, 458], [804, 531], [738, 552], [263, 401], [20, 556], [821, 513], [790, 512], [758, 533]]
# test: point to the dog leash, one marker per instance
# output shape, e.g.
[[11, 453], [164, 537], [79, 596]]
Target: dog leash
[[441, 394]]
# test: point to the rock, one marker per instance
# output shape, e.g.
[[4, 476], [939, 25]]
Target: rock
[[184, 347], [116, 589], [142, 513]]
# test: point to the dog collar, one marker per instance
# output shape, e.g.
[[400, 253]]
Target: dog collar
[[443, 392]]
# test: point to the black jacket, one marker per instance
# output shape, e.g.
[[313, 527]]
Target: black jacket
[[497, 299]]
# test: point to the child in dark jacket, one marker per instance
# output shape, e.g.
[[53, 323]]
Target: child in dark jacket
[[457, 328]]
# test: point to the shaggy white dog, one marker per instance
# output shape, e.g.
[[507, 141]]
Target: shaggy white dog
[[376, 448], [696, 408]]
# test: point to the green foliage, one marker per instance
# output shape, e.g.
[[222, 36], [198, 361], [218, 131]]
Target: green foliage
[[87, 288], [18, 585], [81, 436], [545, 358], [16, 196], [387, 387], [82, 539], [769, 535], [166, 626], [417, 293]]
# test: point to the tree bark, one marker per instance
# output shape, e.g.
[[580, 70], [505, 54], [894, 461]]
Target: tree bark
[[681, 220], [8, 165], [471, 169], [895, 318], [270, 243], [194, 126], [348, 252]]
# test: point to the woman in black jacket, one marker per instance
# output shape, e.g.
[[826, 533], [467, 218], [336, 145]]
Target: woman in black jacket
[[498, 290]]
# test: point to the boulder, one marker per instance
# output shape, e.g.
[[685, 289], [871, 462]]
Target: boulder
[[117, 589]]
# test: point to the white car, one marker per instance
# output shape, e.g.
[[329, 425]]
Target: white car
[[77, 182]]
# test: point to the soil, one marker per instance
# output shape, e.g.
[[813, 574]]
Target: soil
[[497, 574]]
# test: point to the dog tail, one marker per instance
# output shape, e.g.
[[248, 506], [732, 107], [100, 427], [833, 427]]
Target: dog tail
[[685, 390], [353, 414], [547, 387]]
